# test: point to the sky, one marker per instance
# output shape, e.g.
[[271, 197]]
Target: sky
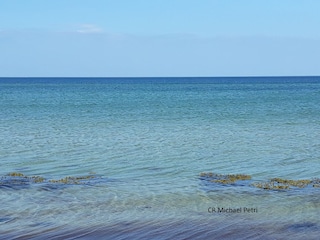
[[159, 38]]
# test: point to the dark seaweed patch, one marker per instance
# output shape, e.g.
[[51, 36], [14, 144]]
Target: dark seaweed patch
[[214, 179], [282, 184], [17, 180], [227, 179]]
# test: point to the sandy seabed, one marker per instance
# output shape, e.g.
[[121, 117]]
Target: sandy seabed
[[172, 229]]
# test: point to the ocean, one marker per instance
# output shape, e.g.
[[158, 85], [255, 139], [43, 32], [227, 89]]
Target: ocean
[[160, 158]]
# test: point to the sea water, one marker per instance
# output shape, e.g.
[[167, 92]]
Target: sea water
[[143, 143]]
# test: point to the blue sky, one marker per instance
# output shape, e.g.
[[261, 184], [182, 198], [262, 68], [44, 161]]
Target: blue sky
[[141, 38]]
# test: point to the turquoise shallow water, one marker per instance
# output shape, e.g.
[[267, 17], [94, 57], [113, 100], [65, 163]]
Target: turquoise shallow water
[[145, 143]]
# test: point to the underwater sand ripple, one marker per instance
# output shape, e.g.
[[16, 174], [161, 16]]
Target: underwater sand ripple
[[175, 229]]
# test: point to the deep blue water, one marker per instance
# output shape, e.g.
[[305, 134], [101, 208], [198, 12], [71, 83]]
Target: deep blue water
[[140, 145]]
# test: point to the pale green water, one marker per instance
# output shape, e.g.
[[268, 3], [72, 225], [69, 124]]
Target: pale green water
[[146, 141]]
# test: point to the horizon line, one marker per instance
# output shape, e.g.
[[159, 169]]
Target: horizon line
[[257, 76]]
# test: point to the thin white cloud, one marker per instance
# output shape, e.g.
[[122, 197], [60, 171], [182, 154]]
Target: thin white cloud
[[89, 28]]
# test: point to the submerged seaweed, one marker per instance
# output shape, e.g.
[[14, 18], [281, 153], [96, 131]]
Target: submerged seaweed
[[18, 180], [272, 184], [15, 174], [72, 180], [224, 179], [280, 184]]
